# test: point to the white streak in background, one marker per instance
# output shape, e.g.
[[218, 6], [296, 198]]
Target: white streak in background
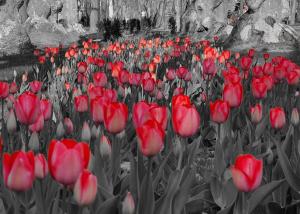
[[111, 9]]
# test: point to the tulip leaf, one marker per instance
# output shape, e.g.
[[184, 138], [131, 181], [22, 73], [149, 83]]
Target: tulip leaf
[[261, 127], [160, 170], [183, 193], [110, 206], [227, 210], [262, 192], [134, 181], [193, 148], [172, 188], [146, 200], [287, 169]]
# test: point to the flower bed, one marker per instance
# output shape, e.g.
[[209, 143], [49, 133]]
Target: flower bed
[[151, 126]]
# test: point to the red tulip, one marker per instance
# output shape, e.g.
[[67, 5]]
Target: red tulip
[[100, 79], [18, 170], [266, 56], [150, 138], [181, 72], [4, 90], [185, 119], [277, 117], [97, 108], [251, 52], [292, 78], [209, 67], [247, 172], [148, 84], [85, 189], [81, 103], [115, 117], [111, 94], [82, 67], [140, 113], [46, 108], [170, 75], [279, 72], [268, 68], [160, 114], [27, 107], [38, 125], [259, 88], [181, 100], [123, 76], [135, 78], [219, 111], [35, 86], [256, 113], [245, 63], [41, 166], [13, 88], [95, 91], [268, 80], [233, 94], [63, 153], [68, 124], [257, 71]]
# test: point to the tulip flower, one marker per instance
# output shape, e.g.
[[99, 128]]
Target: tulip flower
[[35, 86], [150, 138], [160, 114], [46, 108], [128, 206], [81, 103], [247, 172], [185, 119], [259, 88], [82, 67], [38, 125], [268, 80], [11, 123], [148, 84], [13, 88], [219, 111], [140, 113], [41, 166], [292, 78], [68, 124], [97, 108], [170, 75], [209, 67], [115, 117], [111, 94], [27, 107], [85, 189], [256, 113], [18, 170], [181, 72], [295, 117], [181, 100], [105, 147], [277, 117], [4, 90], [86, 132], [245, 63], [257, 71], [233, 94], [268, 68], [63, 153]]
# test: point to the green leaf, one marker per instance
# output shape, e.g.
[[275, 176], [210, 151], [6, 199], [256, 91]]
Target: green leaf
[[287, 169], [262, 192]]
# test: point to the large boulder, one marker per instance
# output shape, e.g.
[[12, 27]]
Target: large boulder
[[43, 33], [13, 38], [40, 8]]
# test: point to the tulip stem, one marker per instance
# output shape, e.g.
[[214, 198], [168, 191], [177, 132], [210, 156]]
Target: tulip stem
[[219, 133]]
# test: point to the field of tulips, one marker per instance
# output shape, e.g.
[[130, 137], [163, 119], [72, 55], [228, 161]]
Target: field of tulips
[[159, 126]]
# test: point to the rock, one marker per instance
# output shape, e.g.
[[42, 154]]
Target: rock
[[40, 8], [70, 11], [13, 38], [43, 33]]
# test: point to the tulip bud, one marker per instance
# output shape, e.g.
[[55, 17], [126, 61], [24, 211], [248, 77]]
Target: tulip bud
[[68, 126], [270, 156], [41, 166], [60, 131], [95, 132], [277, 117], [256, 113], [105, 148], [295, 117], [85, 189], [11, 122], [34, 142], [86, 132], [128, 206]]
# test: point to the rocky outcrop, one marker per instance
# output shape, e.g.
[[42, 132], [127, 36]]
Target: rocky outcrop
[[43, 33]]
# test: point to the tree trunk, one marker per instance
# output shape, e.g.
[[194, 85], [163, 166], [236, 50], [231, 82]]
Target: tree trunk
[[110, 9], [94, 15], [293, 13], [178, 6]]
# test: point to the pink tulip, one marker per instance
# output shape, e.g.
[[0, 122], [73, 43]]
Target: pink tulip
[[41, 166]]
